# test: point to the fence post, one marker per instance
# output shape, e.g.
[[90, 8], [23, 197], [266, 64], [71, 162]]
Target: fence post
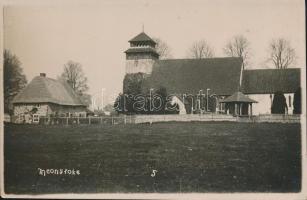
[[78, 121], [100, 120], [112, 120], [66, 120], [125, 119], [89, 120]]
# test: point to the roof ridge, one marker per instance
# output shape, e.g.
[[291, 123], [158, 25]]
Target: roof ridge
[[200, 58], [45, 78], [296, 68]]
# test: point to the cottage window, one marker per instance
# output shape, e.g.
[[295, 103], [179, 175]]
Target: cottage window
[[35, 118], [37, 105]]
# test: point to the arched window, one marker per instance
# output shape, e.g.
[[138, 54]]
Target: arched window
[[290, 101], [271, 98]]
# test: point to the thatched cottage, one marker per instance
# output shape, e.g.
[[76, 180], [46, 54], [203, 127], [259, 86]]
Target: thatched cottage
[[44, 96]]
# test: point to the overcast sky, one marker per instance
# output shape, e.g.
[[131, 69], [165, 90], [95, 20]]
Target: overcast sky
[[95, 33]]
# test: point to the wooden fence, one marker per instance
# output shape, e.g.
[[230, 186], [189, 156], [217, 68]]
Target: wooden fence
[[126, 119], [183, 118], [277, 118], [138, 119]]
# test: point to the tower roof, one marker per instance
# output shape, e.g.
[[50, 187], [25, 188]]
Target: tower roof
[[142, 37]]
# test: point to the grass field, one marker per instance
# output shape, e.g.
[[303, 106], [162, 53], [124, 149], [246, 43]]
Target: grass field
[[189, 157]]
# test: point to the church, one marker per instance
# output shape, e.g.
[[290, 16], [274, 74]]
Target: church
[[230, 88]]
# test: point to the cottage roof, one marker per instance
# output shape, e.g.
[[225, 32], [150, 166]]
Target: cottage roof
[[189, 76], [142, 37], [46, 90], [266, 81], [238, 97]]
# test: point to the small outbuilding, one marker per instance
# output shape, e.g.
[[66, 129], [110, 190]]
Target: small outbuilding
[[238, 104]]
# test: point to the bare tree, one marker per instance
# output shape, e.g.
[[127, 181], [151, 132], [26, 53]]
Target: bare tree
[[200, 49], [238, 46], [75, 77], [163, 49], [14, 79], [281, 53]]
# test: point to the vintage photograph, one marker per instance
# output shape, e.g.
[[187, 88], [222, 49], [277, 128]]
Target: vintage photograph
[[158, 97]]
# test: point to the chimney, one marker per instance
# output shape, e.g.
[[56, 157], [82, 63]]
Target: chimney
[[42, 74]]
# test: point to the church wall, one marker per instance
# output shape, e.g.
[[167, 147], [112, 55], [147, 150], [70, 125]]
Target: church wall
[[264, 103], [176, 100], [141, 65]]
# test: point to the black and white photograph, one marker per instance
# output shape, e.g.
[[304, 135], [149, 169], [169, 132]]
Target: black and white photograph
[[140, 99]]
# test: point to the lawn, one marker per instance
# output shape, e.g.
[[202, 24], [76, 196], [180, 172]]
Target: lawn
[[188, 157]]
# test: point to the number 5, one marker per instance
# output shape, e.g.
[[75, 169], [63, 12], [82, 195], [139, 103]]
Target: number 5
[[153, 174]]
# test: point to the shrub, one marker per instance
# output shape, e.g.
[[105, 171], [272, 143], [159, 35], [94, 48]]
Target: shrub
[[279, 104], [297, 102]]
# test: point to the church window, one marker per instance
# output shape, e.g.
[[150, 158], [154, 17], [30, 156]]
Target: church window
[[290, 101], [136, 62], [271, 99]]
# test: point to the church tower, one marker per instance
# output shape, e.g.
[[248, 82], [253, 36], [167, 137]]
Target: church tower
[[141, 55]]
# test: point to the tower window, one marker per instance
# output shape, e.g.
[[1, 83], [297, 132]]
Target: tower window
[[136, 62]]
